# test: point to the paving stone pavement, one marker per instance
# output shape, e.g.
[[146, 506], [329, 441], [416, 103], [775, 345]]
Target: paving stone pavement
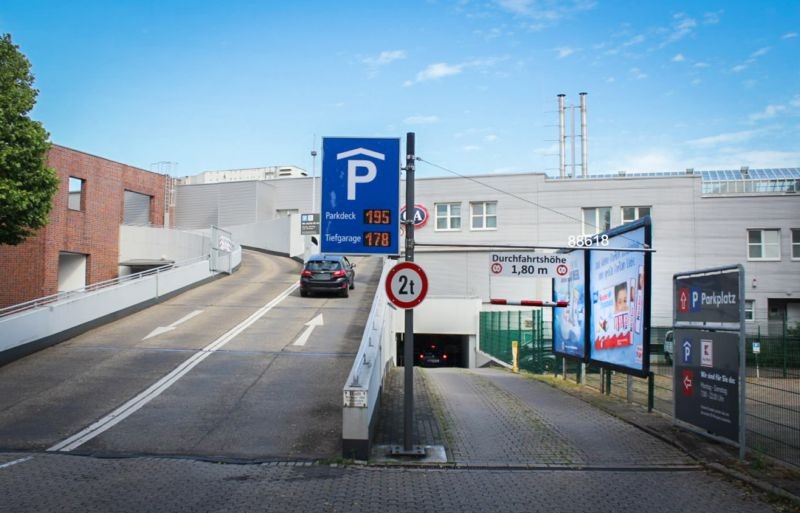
[[66, 483], [493, 417]]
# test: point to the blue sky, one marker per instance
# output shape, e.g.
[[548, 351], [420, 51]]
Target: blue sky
[[220, 85]]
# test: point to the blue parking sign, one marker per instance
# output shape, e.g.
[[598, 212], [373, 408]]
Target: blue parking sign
[[360, 196]]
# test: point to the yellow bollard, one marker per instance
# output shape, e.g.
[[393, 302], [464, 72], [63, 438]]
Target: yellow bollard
[[515, 356]]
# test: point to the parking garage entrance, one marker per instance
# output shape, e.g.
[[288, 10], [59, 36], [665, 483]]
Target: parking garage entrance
[[436, 350]]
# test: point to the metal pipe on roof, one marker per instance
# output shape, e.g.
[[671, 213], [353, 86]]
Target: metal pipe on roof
[[584, 139], [562, 154]]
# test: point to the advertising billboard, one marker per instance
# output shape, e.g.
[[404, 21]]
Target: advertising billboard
[[569, 324], [619, 296]]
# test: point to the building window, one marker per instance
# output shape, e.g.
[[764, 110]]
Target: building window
[[763, 244], [596, 220], [483, 215], [448, 216], [749, 309], [76, 189], [795, 243], [630, 214]]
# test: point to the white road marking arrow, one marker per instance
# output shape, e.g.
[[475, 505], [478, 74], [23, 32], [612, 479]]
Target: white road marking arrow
[[313, 323], [164, 329]]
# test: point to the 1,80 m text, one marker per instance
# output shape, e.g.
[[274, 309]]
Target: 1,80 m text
[[587, 241]]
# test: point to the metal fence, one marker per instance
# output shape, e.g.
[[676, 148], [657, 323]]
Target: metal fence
[[773, 379], [499, 329]]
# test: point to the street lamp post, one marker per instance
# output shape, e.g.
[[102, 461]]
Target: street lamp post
[[314, 181]]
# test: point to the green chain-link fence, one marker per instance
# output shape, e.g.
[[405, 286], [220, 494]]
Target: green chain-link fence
[[499, 329]]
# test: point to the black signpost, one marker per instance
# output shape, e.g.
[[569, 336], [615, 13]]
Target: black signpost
[[709, 372]]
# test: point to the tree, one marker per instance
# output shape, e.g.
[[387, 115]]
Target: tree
[[27, 185]]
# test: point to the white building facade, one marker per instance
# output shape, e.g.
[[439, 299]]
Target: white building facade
[[700, 220]]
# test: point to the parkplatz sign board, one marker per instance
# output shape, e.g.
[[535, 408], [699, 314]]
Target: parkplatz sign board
[[360, 196], [709, 386], [528, 264]]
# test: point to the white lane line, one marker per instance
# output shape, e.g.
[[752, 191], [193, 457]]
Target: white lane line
[[164, 329], [164, 383], [313, 323], [10, 463]]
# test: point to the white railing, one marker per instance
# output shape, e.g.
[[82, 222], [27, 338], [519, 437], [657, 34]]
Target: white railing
[[363, 385], [71, 294], [750, 186]]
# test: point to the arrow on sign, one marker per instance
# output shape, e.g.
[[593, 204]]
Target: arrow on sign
[[164, 329], [313, 323]]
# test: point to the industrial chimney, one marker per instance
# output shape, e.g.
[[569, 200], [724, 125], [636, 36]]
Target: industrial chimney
[[562, 139], [584, 140]]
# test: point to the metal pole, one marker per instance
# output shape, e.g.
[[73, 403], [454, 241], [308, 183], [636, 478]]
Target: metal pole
[[651, 393], [562, 162], [408, 348], [572, 142], [584, 139], [742, 370]]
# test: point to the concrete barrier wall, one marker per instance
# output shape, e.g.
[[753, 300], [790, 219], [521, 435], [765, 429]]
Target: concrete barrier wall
[[47, 322], [281, 235], [148, 242], [365, 382]]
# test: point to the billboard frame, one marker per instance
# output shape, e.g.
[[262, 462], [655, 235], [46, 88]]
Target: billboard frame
[[644, 372]]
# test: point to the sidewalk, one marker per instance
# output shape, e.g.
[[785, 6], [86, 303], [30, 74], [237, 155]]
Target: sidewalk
[[491, 418]]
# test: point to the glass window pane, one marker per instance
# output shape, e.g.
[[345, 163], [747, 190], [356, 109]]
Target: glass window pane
[[491, 222], [644, 211], [772, 236], [477, 222], [754, 251], [441, 210], [771, 251], [589, 220], [628, 214], [795, 236], [455, 209], [477, 209], [455, 223], [441, 223], [491, 208], [605, 214], [754, 236], [795, 250]]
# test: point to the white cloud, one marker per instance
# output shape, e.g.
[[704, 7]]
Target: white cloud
[[700, 65], [471, 147], [421, 120], [760, 52], [726, 138], [611, 80], [564, 51], [739, 68], [547, 11], [678, 58], [769, 112], [789, 35], [682, 26], [442, 69], [638, 74], [711, 18], [795, 102], [696, 81], [490, 138], [385, 57]]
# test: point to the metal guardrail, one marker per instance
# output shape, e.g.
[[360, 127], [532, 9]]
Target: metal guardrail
[[72, 294]]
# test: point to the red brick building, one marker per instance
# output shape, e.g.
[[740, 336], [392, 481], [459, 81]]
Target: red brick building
[[80, 245]]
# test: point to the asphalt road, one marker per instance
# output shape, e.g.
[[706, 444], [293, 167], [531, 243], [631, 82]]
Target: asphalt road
[[222, 391]]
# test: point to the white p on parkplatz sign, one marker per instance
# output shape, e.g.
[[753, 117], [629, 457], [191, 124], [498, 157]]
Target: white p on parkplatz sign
[[528, 264]]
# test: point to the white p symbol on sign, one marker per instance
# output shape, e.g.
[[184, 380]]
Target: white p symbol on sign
[[353, 177]]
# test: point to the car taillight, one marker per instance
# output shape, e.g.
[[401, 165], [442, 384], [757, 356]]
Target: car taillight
[[444, 356], [421, 356], [338, 274], [307, 273]]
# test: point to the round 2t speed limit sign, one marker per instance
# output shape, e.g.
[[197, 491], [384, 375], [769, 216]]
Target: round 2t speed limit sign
[[406, 285]]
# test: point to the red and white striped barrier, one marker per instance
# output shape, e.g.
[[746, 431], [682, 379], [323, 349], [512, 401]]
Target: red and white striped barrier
[[530, 302]]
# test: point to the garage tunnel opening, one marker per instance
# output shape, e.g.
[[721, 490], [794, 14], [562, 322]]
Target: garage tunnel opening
[[436, 350]]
